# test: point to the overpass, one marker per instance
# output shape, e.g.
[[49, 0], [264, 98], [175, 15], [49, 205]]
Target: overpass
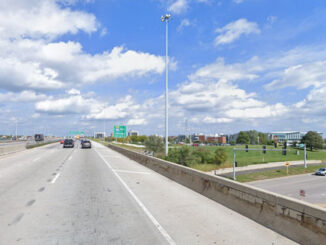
[[51, 195]]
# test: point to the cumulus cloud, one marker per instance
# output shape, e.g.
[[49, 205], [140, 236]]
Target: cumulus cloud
[[24, 96], [33, 18], [179, 6], [184, 23], [235, 30], [92, 109], [301, 76], [221, 71]]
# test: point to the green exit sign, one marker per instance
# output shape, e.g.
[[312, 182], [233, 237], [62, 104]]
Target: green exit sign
[[120, 131]]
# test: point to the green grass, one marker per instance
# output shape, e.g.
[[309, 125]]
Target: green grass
[[257, 157], [269, 174]]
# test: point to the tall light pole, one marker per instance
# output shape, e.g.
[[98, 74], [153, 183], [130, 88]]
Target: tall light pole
[[166, 18]]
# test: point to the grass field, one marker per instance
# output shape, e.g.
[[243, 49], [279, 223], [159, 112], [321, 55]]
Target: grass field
[[269, 174], [257, 157]]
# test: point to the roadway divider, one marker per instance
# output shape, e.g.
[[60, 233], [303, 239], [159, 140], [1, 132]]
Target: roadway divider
[[298, 220], [7, 149]]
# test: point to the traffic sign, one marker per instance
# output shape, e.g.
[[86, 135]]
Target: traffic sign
[[287, 164], [120, 131], [76, 133]]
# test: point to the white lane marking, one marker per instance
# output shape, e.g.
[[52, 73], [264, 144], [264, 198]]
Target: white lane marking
[[55, 178], [146, 211], [69, 158], [36, 159], [131, 172]]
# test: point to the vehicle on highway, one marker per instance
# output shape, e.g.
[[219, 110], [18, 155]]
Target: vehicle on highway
[[321, 171], [86, 144], [68, 143], [39, 137], [62, 141]]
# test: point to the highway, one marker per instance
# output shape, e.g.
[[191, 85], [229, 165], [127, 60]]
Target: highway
[[313, 186], [51, 195]]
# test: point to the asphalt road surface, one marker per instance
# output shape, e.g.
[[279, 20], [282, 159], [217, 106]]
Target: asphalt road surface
[[51, 195], [314, 187]]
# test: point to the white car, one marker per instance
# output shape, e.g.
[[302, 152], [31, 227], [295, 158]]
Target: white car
[[321, 171]]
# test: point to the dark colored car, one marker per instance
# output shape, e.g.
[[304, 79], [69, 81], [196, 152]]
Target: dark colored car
[[68, 143], [86, 144]]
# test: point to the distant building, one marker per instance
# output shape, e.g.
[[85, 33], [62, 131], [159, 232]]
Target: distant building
[[99, 135], [180, 138], [133, 133], [216, 139], [290, 136]]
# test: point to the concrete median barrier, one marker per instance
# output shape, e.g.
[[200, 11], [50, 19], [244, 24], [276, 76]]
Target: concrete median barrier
[[300, 221], [7, 149]]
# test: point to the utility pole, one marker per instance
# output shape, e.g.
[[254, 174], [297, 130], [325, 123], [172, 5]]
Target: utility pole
[[166, 18]]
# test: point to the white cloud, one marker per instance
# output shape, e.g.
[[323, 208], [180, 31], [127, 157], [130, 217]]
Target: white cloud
[[18, 75], [75, 104], [234, 30], [137, 121], [184, 23], [179, 6], [33, 18], [301, 76], [73, 91], [238, 1], [24, 96], [220, 71]]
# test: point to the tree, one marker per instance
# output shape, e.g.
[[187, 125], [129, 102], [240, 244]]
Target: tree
[[253, 136], [134, 139], [142, 138], [220, 156], [154, 143], [243, 138], [262, 138], [313, 140]]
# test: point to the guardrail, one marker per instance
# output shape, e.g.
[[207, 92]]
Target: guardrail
[[295, 219]]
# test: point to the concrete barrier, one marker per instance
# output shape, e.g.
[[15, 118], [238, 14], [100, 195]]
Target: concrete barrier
[[300, 221], [7, 149]]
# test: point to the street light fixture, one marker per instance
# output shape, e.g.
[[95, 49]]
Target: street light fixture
[[166, 18]]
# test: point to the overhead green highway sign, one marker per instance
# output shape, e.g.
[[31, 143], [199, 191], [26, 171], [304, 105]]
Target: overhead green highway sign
[[76, 133]]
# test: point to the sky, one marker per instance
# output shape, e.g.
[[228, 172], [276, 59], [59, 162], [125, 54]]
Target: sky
[[68, 65]]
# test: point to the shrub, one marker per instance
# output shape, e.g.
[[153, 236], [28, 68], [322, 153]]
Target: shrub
[[183, 155], [220, 156], [154, 143], [203, 154]]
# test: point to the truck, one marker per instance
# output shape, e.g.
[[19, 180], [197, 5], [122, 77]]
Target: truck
[[39, 137]]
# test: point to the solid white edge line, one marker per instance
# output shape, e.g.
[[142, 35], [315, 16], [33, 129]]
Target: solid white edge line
[[55, 178], [167, 237], [130, 172]]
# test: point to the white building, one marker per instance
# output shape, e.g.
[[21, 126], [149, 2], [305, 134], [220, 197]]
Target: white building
[[290, 136]]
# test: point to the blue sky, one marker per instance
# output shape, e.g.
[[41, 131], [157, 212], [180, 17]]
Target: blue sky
[[234, 65]]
